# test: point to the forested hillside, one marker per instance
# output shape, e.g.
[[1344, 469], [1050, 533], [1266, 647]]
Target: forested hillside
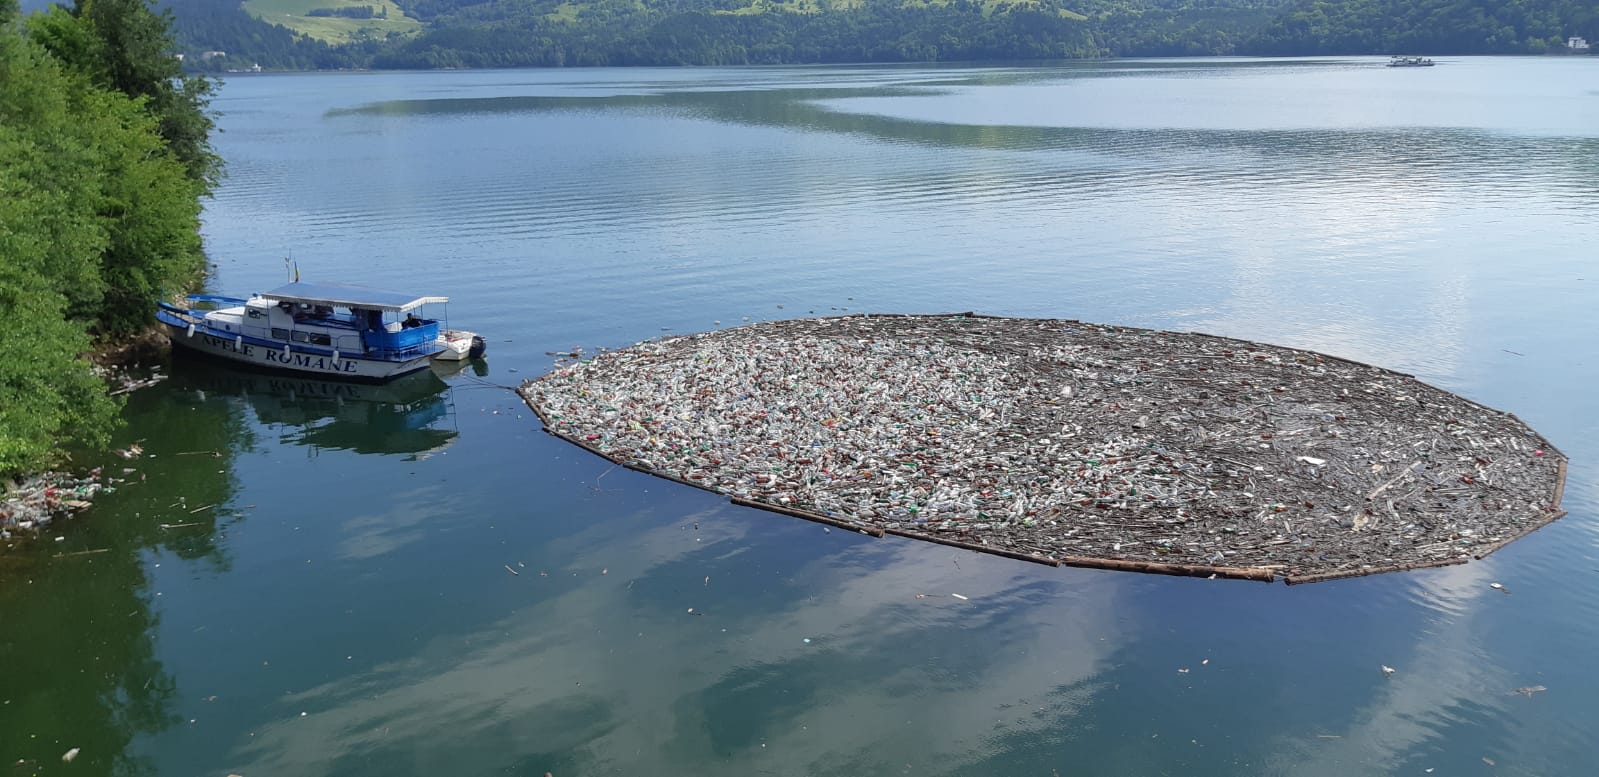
[[203, 26], [720, 32], [499, 33], [1427, 27]]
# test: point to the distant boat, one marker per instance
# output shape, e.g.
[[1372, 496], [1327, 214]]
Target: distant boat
[[327, 330], [1402, 61]]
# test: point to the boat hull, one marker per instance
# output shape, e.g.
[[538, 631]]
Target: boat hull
[[331, 364], [459, 346]]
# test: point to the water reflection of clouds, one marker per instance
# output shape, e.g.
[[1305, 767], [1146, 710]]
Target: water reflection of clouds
[[1324, 278], [403, 522], [887, 679], [1446, 682]]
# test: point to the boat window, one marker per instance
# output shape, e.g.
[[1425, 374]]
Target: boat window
[[254, 313], [299, 337], [317, 338], [280, 334]]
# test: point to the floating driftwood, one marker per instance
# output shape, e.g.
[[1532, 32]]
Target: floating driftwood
[[1068, 443]]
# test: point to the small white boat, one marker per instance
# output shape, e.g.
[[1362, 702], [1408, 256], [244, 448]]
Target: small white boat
[[1398, 60], [322, 329]]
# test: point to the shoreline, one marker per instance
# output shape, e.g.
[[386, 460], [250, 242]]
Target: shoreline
[[31, 502]]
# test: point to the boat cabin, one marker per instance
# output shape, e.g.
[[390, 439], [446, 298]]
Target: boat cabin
[[347, 319]]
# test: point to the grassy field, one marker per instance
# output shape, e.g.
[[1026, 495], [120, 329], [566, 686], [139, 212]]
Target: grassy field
[[818, 6], [333, 29], [565, 12]]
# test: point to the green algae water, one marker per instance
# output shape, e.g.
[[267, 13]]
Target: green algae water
[[312, 578]]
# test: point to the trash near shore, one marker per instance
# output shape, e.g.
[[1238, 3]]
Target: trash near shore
[[30, 505], [1069, 443]]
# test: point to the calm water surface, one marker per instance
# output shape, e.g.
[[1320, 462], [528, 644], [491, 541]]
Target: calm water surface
[[324, 580]]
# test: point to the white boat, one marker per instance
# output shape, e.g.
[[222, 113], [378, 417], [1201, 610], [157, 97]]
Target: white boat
[[1398, 60], [322, 329]]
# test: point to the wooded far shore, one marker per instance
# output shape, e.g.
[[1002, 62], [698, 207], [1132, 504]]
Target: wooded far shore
[[424, 34]]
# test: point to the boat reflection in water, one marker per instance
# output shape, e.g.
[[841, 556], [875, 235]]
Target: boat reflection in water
[[410, 415]]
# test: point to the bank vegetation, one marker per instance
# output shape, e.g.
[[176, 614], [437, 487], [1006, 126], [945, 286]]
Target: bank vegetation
[[104, 157]]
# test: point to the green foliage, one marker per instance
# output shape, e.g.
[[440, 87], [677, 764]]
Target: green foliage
[[100, 215], [502, 33], [127, 46], [349, 12], [208, 26], [680, 32], [1426, 27], [1179, 28], [48, 392]]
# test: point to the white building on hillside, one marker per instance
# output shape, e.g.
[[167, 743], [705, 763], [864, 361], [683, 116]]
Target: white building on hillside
[[1577, 44]]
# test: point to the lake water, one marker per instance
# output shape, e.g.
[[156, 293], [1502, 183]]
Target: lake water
[[317, 579]]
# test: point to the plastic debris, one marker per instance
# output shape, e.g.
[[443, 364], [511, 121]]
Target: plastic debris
[[33, 503], [1528, 691], [1058, 440], [69, 755], [1386, 669], [1499, 587]]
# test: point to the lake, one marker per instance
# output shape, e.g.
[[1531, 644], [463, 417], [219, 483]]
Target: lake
[[315, 579]]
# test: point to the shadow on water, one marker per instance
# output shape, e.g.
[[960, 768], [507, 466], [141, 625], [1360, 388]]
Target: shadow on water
[[98, 685]]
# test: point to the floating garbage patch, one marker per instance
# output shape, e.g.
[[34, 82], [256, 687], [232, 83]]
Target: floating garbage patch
[[1068, 443]]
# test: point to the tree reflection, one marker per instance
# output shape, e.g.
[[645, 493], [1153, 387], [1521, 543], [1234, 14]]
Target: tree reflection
[[77, 628]]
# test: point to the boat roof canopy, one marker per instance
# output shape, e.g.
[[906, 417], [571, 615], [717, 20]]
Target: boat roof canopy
[[348, 296]]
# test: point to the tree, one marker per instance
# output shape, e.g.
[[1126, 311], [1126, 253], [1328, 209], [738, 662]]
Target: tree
[[99, 216], [127, 46], [49, 239]]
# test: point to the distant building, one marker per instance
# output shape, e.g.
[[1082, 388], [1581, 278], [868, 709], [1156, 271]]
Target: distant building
[[1577, 44], [212, 54]]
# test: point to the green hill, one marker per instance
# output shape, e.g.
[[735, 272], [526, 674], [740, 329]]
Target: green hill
[[725, 32], [507, 33], [1427, 27]]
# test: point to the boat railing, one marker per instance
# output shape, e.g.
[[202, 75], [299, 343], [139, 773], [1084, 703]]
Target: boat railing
[[216, 300], [184, 314], [411, 341]]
